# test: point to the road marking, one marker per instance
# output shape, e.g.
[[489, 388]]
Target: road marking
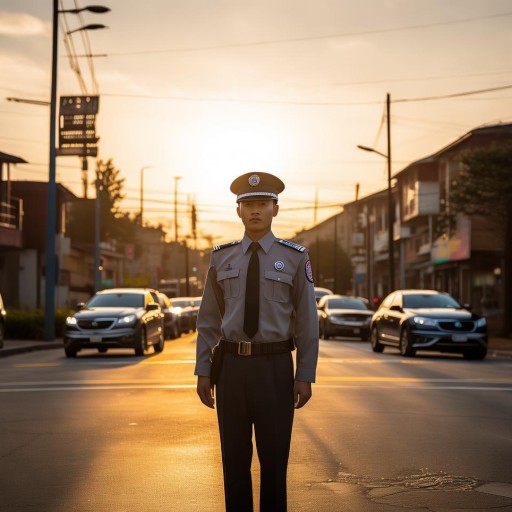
[[98, 388], [336, 378]]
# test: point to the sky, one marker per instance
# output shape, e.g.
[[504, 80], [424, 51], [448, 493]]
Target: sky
[[197, 92]]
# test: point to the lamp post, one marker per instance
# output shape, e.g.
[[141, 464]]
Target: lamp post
[[142, 193], [50, 270], [387, 156]]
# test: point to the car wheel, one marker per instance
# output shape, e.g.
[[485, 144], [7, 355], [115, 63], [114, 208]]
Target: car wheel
[[475, 354], [142, 343], [102, 350], [70, 351], [160, 345], [405, 344], [377, 346]]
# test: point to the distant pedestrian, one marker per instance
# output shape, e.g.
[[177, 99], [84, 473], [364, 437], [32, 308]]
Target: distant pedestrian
[[258, 305]]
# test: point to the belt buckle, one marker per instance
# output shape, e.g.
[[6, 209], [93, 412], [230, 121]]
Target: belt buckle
[[244, 348]]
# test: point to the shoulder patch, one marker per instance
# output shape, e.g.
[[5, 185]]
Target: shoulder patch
[[292, 245], [224, 246]]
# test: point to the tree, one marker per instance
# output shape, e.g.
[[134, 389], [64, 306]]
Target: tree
[[114, 224], [484, 187]]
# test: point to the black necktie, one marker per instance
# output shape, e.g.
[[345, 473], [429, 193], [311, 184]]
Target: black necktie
[[252, 293]]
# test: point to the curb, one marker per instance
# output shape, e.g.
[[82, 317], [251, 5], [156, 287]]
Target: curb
[[4, 352]]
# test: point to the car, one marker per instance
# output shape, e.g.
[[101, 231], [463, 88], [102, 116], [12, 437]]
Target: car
[[116, 318], [187, 309], [3, 315], [412, 320], [344, 315], [171, 320], [320, 292]]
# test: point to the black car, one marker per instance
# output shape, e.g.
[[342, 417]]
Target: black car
[[320, 292], [171, 320], [412, 320], [343, 315], [186, 308], [116, 318]]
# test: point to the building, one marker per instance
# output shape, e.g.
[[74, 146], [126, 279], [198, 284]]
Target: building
[[466, 261]]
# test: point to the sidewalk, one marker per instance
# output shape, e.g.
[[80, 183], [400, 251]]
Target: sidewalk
[[498, 347]]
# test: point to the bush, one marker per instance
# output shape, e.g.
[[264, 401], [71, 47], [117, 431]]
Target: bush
[[22, 324]]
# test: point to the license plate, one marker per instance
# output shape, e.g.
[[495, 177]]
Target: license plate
[[459, 337], [95, 339]]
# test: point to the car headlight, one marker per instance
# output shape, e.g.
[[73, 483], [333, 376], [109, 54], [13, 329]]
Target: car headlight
[[127, 320], [71, 321], [481, 322], [422, 321]]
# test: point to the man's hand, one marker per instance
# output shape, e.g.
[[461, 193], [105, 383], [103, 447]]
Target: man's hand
[[205, 391], [301, 393]]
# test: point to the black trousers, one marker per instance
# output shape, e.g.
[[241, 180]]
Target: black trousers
[[255, 391]]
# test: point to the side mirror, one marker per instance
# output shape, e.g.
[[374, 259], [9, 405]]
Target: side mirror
[[80, 305], [467, 306], [152, 306], [395, 307]]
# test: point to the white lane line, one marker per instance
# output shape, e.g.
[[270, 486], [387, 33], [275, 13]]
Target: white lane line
[[117, 387], [99, 388]]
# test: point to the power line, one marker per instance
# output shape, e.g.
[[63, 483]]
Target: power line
[[453, 95], [312, 38], [312, 103]]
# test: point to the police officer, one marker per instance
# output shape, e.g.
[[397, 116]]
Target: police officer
[[259, 303]]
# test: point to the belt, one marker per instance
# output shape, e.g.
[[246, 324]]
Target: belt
[[246, 348]]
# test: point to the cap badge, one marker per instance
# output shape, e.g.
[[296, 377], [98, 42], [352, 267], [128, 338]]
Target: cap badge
[[279, 265], [254, 180]]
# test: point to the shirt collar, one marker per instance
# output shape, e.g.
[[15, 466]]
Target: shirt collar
[[265, 242]]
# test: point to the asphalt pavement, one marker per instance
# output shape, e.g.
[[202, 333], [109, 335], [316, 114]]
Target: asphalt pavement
[[498, 347]]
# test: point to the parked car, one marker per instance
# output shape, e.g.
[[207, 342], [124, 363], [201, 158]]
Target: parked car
[[116, 318], [3, 314], [343, 315], [186, 308], [171, 320], [320, 292], [412, 320]]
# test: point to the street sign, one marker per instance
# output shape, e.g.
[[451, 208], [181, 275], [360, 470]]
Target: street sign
[[77, 126]]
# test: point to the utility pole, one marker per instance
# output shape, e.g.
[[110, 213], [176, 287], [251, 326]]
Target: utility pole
[[176, 178]]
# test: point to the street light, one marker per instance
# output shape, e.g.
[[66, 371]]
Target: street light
[[50, 270], [387, 156], [142, 193], [91, 26]]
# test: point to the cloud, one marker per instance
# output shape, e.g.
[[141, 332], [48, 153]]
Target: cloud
[[19, 24]]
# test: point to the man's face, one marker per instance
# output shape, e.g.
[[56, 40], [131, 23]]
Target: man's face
[[257, 215]]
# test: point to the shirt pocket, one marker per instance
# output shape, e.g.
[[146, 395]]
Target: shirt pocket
[[277, 286], [230, 280]]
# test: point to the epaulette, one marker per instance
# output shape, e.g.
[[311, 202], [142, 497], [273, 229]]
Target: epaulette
[[223, 246], [292, 245]]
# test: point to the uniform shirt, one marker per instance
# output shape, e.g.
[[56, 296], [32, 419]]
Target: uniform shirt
[[287, 301]]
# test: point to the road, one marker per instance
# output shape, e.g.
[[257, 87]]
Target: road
[[115, 432]]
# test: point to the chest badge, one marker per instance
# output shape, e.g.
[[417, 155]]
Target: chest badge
[[279, 265]]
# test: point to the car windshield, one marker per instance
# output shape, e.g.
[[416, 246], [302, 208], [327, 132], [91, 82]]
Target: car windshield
[[180, 303], [430, 301], [347, 304], [117, 300]]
